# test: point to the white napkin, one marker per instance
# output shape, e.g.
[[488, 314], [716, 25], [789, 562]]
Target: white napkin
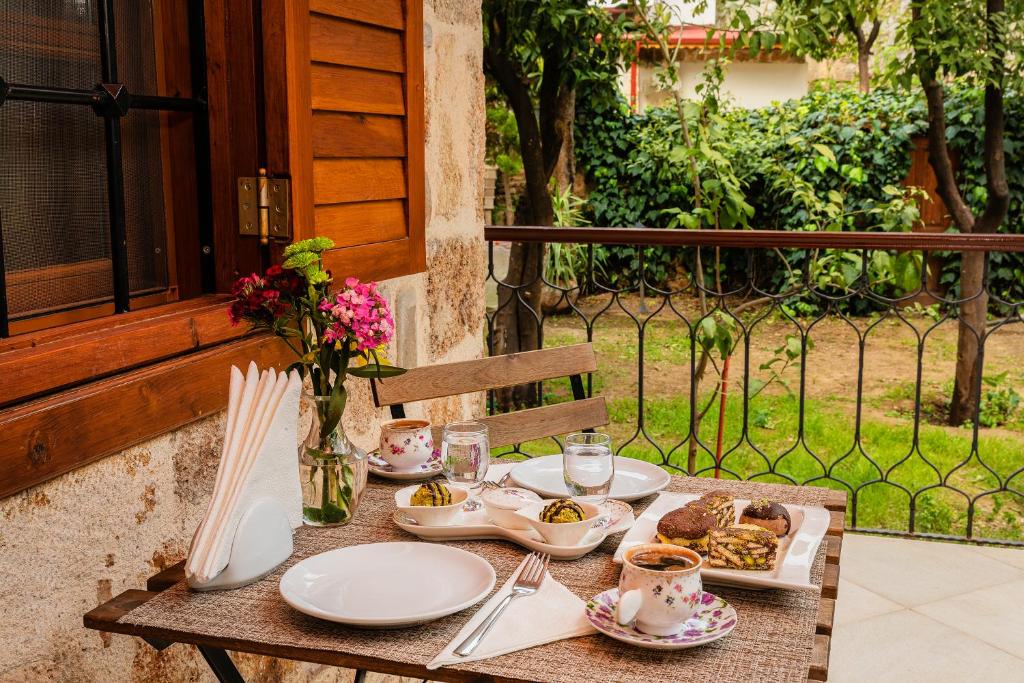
[[496, 472], [550, 614], [257, 461]]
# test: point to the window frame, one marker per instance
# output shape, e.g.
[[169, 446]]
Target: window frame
[[78, 392]]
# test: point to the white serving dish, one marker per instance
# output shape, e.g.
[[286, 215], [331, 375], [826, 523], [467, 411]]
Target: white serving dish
[[634, 479], [502, 503], [567, 534], [387, 585], [429, 515], [796, 550], [475, 525]]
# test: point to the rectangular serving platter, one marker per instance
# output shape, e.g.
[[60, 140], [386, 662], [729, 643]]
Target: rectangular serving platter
[[796, 550]]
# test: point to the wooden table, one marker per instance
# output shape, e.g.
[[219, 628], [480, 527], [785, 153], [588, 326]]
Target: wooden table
[[107, 617]]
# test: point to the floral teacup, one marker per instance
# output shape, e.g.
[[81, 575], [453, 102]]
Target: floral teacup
[[659, 588], [406, 444]]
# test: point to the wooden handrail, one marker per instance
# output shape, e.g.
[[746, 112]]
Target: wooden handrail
[[763, 239]]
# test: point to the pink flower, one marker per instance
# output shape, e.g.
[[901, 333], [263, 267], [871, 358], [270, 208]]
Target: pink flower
[[358, 313]]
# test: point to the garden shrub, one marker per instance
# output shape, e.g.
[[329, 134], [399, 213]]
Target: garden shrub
[[831, 160]]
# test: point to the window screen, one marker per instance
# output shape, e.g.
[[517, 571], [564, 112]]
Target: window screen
[[56, 221]]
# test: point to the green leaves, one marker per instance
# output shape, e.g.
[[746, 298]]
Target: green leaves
[[718, 332], [375, 371]]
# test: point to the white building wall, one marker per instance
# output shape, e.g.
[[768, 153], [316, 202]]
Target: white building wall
[[747, 84]]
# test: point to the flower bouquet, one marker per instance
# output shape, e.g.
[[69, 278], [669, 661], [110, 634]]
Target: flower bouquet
[[334, 334]]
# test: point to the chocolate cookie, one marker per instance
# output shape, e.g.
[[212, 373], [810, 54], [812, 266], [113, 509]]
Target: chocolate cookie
[[687, 526]]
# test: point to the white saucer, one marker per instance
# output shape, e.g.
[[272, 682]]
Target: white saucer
[[634, 479], [381, 468], [387, 585], [714, 619]]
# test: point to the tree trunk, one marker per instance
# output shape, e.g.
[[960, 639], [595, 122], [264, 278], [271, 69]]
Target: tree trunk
[[974, 309], [863, 67], [517, 321], [970, 331]]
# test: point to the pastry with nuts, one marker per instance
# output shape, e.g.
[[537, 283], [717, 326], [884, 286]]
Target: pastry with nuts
[[743, 546], [720, 504]]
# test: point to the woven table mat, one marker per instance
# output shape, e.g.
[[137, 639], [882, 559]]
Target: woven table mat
[[771, 642]]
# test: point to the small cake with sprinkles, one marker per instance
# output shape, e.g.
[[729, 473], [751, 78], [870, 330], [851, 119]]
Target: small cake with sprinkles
[[431, 494], [562, 511]]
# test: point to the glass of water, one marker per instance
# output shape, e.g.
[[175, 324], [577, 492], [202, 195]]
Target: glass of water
[[588, 466], [465, 454]]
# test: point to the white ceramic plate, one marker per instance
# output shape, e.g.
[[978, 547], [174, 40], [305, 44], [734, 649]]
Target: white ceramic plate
[[475, 525], [796, 550], [387, 585], [634, 479], [381, 468]]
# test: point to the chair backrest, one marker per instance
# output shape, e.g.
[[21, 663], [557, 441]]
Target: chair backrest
[[452, 379]]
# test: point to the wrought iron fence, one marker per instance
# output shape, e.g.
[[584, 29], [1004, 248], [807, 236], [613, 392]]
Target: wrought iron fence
[[795, 358]]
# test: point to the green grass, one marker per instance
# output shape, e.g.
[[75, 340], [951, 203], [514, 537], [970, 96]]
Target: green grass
[[770, 450]]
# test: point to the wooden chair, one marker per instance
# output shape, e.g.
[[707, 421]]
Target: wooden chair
[[506, 429]]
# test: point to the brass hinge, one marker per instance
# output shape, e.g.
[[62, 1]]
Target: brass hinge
[[263, 205]]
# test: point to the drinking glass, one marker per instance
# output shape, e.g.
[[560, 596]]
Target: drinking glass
[[588, 466], [465, 455]]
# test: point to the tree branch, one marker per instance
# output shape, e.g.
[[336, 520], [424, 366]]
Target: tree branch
[[998, 197], [517, 92]]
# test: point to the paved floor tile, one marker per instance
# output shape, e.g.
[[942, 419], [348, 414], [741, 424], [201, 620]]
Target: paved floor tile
[[1011, 556], [856, 603], [908, 647], [992, 614], [913, 573]]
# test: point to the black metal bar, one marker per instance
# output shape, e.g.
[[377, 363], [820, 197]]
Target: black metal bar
[[96, 98], [221, 665], [398, 411], [115, 170], [360, 676], [163, 103], [37, 93], [5, 329], [201, 141]]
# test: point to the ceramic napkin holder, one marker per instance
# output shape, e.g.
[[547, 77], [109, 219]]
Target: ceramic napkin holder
[[258, 534]]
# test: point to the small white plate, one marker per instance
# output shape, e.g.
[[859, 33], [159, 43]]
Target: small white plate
[[795, 555], [634, 479], [475, 525], [387, 585], [714, 619], [381, 468]]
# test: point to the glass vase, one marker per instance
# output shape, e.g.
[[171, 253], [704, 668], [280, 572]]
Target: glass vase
[[331, 468]]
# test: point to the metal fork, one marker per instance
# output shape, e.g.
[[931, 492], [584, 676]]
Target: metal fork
[[527, 583]]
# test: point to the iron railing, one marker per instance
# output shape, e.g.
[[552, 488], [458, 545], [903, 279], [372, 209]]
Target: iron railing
[[868, 423]]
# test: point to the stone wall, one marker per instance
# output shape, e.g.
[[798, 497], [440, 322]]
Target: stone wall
[[71, 543]]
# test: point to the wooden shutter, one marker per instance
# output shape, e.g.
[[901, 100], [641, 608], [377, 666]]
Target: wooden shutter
[[344, 120]]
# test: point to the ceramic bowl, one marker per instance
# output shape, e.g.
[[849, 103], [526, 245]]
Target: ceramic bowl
[[502, 504], [441, 515], [569, 533]]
